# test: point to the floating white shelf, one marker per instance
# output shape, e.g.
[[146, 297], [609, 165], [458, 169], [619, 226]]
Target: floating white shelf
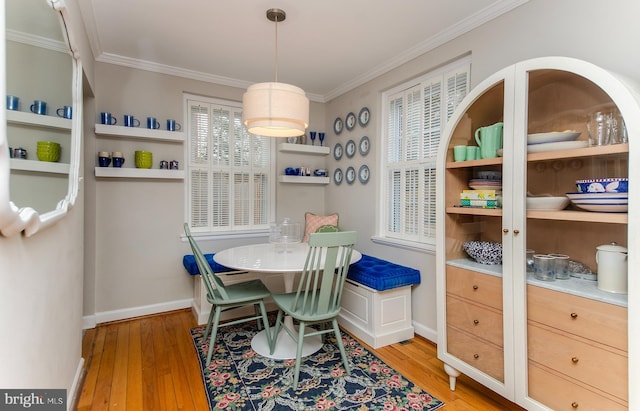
[[304, 180], [39, 166], [115, 172], [303, 149], [30, 119], [139, 133]]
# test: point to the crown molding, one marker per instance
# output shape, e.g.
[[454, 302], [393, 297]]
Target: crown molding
[[487, 14], [37, 41]]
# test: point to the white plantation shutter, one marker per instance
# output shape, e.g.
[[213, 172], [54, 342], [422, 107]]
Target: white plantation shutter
[[415, 115], [230, 183]]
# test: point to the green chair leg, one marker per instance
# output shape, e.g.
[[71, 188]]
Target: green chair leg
[[276, 332], [214, 333], [343, 354], [265, 322], [296, 371]]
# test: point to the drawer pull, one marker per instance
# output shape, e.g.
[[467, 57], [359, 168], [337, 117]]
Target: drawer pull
[[574, 404], [476, 322], [505, 230], [476, 356], [574, 360], [574, 315], [475, 287], [516, 232]]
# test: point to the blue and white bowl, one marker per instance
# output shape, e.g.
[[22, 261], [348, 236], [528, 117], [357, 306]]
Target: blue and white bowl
[[603, 185], [601, 202], [484, 252]]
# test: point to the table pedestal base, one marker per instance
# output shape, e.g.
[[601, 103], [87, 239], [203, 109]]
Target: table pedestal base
[[285, 346]]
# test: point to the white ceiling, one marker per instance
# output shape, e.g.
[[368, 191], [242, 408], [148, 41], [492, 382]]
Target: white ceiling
[[327, 47]]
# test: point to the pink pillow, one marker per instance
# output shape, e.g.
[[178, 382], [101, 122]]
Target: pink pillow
[[312, 222]]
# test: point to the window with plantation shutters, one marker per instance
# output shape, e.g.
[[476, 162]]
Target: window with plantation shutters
[[229, 173], [415, 114]]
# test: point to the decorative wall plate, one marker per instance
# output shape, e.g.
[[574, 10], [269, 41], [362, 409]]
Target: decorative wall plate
[[350, 121], [350, 148], [364, 146], [337, 176], [363, 174], [337, 126], [338, 151], [363, 117], [350, 175]]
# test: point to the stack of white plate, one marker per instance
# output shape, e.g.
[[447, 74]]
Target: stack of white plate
[[601, 202], [555, 140], [485, 184]]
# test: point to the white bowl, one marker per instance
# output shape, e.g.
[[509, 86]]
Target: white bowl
[[547, 203]]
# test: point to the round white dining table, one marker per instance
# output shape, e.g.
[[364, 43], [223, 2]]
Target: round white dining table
[[289, 260]]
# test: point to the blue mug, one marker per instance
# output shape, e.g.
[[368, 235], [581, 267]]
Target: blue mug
[[13, 103], [131, 121], [172, 125], [39, 107], [118, 161], [152, 123], [65, 112], [107, 118]]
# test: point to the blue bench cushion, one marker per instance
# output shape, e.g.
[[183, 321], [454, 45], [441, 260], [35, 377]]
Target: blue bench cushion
[[381, 274], [189, 262]]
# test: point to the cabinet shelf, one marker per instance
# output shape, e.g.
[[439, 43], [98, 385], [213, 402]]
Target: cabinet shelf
[[579, 152], [494, 212], [147, 173], [303, 149], [574, 215], [39, 166], [474, 163], [103, 130], [30, 119], [304, 179]]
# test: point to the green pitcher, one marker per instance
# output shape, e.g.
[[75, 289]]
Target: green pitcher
[[489, 140]]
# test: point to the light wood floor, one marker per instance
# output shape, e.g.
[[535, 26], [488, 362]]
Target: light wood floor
[[149, 363]]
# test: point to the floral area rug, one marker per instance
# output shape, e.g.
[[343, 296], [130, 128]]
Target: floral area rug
[[240, 379]]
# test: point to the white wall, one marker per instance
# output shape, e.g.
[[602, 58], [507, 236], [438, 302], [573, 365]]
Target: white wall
[[590, 30], [41, 287]]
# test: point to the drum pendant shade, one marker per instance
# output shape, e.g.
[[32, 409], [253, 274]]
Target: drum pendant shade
[[275, 109]]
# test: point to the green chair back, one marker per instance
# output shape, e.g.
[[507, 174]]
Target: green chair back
[[325, 270], [215, 286]]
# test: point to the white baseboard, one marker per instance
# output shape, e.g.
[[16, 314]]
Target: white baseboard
[[426, 332], [91, 321], [76, 387]]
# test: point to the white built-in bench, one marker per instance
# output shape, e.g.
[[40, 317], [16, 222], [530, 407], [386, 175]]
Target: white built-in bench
[[376, 303]]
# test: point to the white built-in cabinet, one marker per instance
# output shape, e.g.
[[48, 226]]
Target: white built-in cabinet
[[565, 344]]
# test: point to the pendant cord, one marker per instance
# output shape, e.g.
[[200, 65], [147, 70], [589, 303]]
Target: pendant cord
[[276, 66]]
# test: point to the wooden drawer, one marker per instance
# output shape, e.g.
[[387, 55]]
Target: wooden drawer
[[481, 288], [594, 320], [587, 362], [475, 319], [561, 394], [482, 355]]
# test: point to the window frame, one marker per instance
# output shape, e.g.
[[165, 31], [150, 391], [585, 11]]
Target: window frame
[[399, 238], [230, 231]]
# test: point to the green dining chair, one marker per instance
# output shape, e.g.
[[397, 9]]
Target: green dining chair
[[317, 299], [227, 297]]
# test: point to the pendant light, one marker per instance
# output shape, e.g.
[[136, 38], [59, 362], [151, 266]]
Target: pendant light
[[275, 109]]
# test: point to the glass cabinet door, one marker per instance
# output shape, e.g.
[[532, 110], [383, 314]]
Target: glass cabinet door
[[575, 323], [474, 273]]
